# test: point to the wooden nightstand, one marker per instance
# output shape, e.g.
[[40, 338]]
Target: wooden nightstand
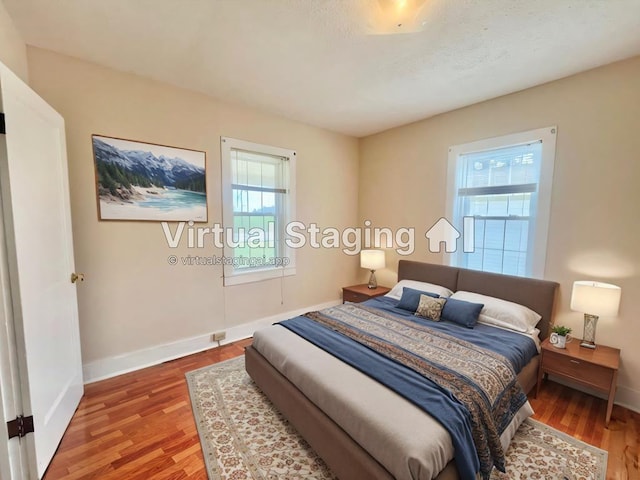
[[596, 369], [360, 293]]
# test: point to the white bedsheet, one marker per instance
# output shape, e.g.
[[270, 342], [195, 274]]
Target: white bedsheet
[[408, 442]]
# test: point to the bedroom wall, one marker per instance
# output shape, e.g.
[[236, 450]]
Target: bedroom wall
[[594, 227], [132, 301], [13, 50]]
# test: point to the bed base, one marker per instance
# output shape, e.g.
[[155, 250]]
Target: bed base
[[343, 455], [340, 452]]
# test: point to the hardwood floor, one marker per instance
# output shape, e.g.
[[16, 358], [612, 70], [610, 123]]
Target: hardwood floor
[[139, 426], [583, 416]]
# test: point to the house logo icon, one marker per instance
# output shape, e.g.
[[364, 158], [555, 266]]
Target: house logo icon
[[444, 232]]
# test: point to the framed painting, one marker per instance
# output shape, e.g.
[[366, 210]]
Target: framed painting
[[148, 182]]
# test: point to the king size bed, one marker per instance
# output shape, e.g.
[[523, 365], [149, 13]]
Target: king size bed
[[370, 420]]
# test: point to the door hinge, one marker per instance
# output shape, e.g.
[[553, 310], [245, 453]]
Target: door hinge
[[3, 128], [20, 426]]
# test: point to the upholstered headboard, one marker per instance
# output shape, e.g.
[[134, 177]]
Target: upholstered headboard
[[538, 295]]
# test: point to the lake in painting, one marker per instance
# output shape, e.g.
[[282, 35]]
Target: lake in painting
[[167, 205]]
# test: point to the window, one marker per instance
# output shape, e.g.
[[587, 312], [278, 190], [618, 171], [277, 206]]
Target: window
[[499, 195], [258, 196]]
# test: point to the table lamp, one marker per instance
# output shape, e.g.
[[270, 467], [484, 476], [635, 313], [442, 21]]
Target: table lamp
[[594, 299], [372, 260]]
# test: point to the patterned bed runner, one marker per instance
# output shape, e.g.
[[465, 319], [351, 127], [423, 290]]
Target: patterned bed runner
[[481, 380]]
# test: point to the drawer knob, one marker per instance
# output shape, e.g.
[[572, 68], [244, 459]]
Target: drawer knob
[[575, 361]]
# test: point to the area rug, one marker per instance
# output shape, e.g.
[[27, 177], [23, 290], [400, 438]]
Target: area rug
[[243, 436]]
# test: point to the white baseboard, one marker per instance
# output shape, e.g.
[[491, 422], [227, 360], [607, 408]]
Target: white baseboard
[[628, 398], [147, 357], [129, 362]]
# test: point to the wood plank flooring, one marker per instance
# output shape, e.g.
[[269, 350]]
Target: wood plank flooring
[[583, 416], [139, 426]]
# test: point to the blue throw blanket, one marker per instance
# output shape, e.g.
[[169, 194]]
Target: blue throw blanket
[[472, 391]]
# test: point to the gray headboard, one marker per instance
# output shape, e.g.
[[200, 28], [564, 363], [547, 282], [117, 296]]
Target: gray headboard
[[538, 295]]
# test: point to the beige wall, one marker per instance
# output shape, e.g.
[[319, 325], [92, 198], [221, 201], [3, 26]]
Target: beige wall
[[132, 299], [594, 230], [13, 51]]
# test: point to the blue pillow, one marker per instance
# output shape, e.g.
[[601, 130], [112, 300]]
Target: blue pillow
[[461, 312], [411, 298]]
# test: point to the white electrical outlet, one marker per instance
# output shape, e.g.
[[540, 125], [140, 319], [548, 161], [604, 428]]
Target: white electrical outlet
[[219, 336]]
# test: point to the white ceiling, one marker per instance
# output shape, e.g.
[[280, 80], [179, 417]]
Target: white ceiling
[[315, 60]]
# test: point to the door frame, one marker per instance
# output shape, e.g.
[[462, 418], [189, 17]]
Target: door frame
[[13, 453]]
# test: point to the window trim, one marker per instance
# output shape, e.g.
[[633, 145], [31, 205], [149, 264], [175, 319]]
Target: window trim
[[231, 276], [542, 207]]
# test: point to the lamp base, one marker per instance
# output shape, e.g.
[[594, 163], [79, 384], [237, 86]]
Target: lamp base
[[373, 283], [589, 335]]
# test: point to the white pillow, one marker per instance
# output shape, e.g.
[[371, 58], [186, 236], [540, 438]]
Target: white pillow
[[396, 291], [502, 313]]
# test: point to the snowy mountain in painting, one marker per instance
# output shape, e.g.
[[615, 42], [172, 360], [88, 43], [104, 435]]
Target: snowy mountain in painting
[[144, 168]]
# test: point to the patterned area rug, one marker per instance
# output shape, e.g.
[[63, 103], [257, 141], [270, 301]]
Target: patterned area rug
[[244, 437]]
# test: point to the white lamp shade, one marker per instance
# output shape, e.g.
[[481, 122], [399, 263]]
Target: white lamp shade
[[595, 298], [372, 259]]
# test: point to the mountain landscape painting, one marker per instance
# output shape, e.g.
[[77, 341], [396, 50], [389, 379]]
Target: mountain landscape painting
[[144, 181]]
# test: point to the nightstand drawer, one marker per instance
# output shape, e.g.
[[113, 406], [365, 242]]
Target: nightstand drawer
[[348, 296], [579, 370], [361, 293]]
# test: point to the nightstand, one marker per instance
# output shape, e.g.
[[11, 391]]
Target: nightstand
[[596, 369], [360, 293]]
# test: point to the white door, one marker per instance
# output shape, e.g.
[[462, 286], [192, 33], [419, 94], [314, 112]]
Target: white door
[[37, 222]]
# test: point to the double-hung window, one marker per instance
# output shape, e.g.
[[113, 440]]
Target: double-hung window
[[499, 197], [258, 197]]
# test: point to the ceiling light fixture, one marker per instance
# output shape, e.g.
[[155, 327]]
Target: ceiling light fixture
[[399, 16]]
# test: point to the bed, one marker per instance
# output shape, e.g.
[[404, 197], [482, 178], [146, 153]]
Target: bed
[[318, 393]]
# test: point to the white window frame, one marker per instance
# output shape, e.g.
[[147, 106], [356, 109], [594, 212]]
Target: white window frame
[[536, 258], [233, 276]]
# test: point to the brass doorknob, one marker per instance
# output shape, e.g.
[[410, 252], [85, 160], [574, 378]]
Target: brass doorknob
[[77, 276]]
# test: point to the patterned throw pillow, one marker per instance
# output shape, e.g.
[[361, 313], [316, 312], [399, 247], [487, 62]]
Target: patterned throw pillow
[[430, 307]]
